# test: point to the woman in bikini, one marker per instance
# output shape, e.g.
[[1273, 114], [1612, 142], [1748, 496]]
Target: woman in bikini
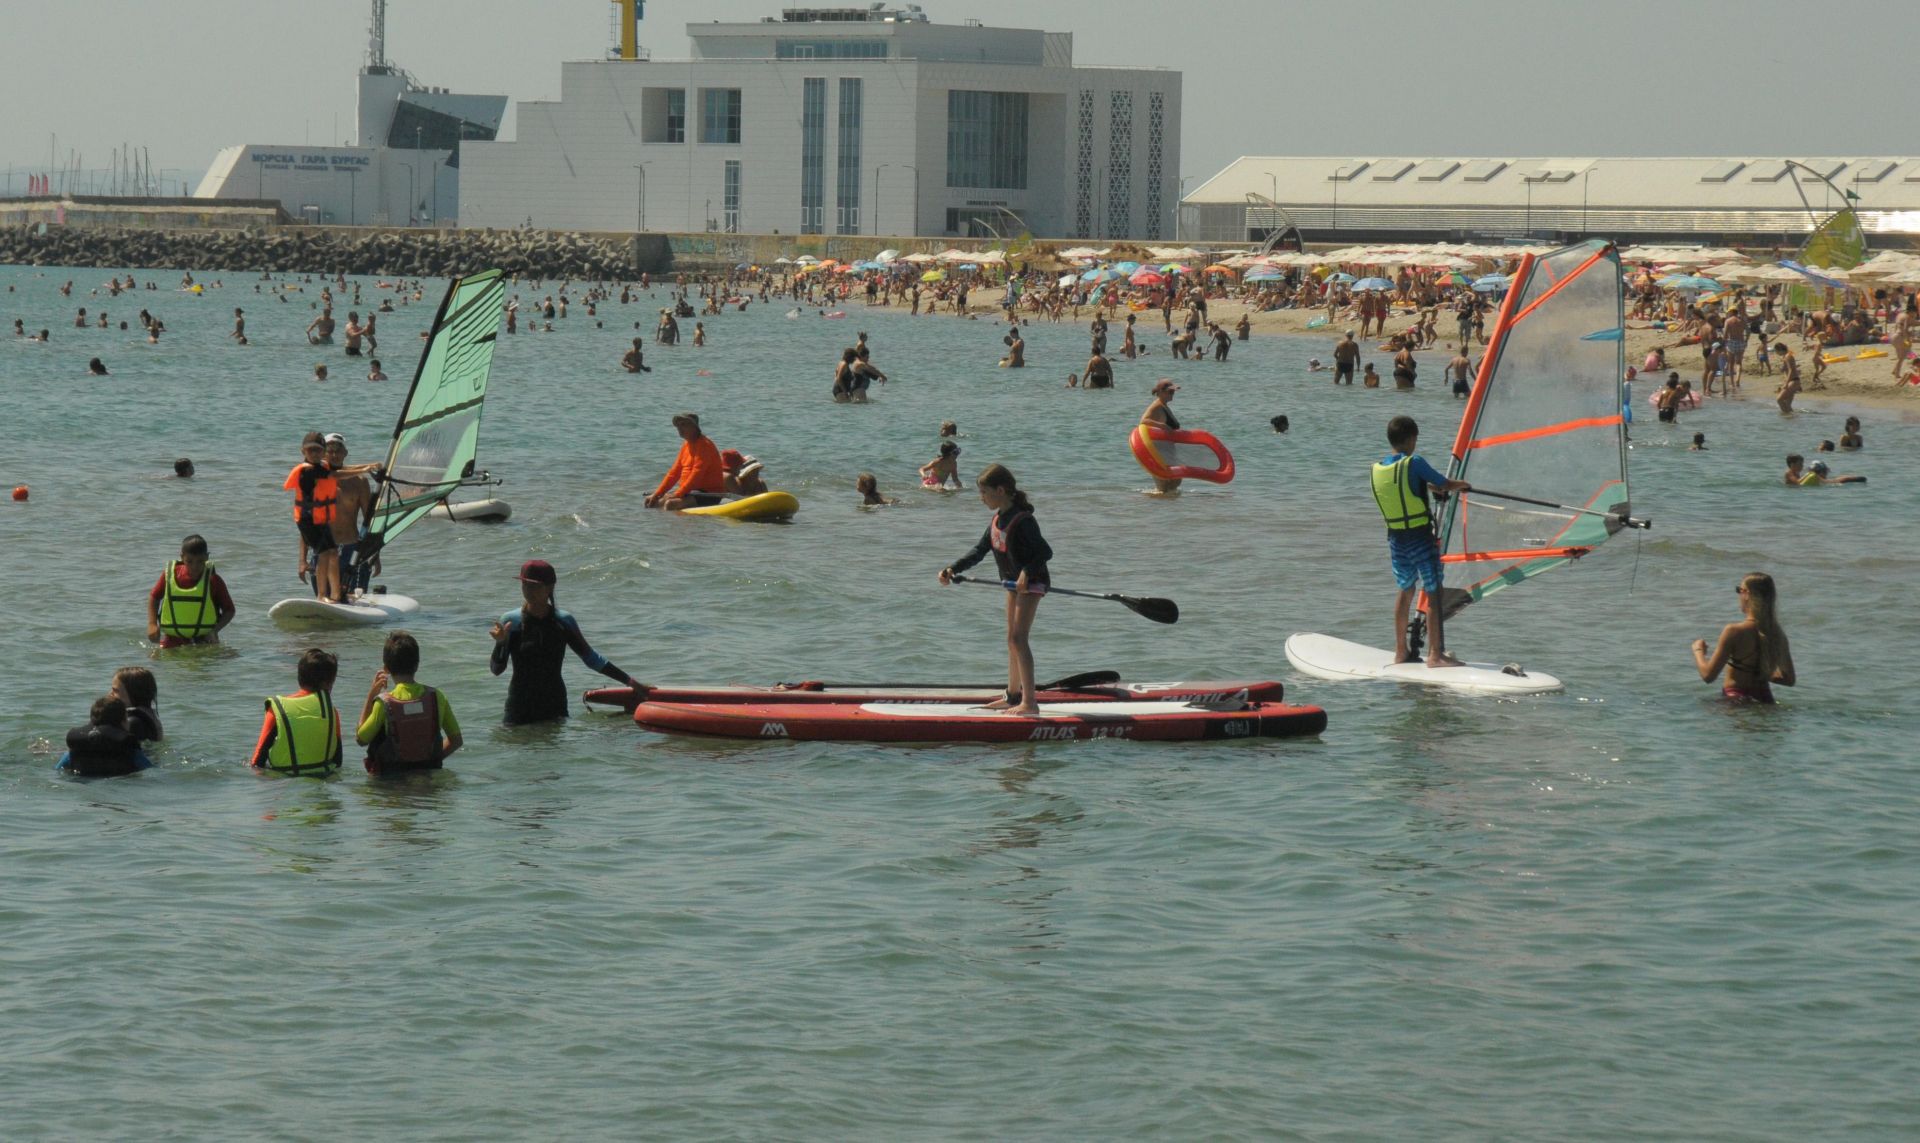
[[1753, 652]]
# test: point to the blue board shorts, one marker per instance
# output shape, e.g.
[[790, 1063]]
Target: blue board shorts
[[1415, 560]]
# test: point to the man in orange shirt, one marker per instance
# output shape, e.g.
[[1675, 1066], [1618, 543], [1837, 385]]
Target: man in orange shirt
[[697, 468]]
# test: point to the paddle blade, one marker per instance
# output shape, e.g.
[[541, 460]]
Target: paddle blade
[[1082, 680], [1152, 607]]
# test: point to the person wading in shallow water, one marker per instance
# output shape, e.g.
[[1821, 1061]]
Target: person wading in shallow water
[[534, 640]]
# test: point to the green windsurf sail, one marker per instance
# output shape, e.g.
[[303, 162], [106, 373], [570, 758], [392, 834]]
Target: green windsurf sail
[[439, 429]]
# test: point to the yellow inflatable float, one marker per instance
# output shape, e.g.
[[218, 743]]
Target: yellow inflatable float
[[774, 505]]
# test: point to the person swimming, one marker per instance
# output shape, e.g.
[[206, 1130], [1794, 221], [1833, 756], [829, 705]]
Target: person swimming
[[868, 486], [942, 471], [1280, 423]]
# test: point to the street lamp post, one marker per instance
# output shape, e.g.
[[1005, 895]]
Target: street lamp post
[[410, 200], [876, 196], [436, 191], [706, 215], [640, 198], [353, 197]]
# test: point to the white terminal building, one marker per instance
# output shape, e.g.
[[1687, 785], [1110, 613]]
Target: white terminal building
[[842, 121], [404, 169]]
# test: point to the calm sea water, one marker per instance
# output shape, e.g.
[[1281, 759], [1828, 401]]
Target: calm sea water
[[1625, 911]]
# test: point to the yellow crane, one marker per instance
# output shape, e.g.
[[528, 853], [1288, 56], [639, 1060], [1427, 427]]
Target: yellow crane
[[631, 12]]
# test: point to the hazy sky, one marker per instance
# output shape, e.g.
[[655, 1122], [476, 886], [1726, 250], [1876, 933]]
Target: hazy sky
[[1363, 77]]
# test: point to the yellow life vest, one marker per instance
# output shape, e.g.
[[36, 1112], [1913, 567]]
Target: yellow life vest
[[188, 612], [1403, 510], [306, 737]]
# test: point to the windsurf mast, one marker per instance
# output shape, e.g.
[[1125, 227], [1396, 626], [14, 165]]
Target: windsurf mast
[[438, 433]]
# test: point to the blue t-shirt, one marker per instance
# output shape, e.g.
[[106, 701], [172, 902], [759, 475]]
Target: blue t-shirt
[[1421, 476]]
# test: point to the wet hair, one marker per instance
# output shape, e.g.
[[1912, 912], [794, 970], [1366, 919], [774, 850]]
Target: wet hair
[[317, 670], [849, 355], [193, 545], [1762, 601], [183, 467], [138, 684], [1280, 423], [866, 482], [999, 476], [948, 428], [1402, 431], [1673, 378], [401, 655], [1825, 446], [1794, 460], [1699, 438], [1853, 424], [948, 448], [108, 710]]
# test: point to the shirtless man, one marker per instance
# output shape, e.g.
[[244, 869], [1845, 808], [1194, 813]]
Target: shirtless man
[[635, 360], [352, 515], [1734, 334], [1346, 355], [1459, 371]]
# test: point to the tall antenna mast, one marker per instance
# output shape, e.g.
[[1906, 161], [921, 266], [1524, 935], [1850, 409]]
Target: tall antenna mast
[[377, 37]]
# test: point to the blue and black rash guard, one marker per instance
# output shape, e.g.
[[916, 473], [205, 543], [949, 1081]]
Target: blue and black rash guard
[[536, 647], [1027, 550]]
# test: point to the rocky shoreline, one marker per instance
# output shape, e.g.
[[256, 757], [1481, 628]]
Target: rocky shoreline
[[410, 253]]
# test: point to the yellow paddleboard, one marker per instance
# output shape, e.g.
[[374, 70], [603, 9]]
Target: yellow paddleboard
[[773, 505]]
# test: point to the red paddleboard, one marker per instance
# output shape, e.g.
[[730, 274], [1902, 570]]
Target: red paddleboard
[[626, 698], [951, 722]]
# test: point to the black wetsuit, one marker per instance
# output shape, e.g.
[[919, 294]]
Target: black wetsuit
[[536, 647]]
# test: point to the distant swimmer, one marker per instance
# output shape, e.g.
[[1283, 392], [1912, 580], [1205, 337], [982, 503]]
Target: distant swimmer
[[183, 468], [1821, 474], [942, 471], [239, 334], [533, 640], [1159, 414], [1460, 370], [300, 736], [1280, 423], [320, 330], [868, 486], [1099, 372], [635, 359], [1753, 652], [1699, 443], [1016, 357], [97, 367], [319, 372], [137, 687], [697, 468], [374, 372], [1851, 440], [189, 603], [354, 333]]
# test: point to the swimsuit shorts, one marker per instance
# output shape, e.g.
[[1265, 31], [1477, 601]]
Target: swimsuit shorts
[[1415, 562], [703, 499], [1764, 695], [319, 537], [1343, 369]]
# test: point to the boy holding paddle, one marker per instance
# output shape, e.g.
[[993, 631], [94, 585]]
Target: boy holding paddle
[[1400, 485]]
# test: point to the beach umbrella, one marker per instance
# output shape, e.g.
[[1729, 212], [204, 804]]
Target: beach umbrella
[[1342, 278], [1126, 267], [969, 266], [1147, 276], [1688, 282], [1373, 284], [933, 276], [1176, 268], [1491, 283], [1267, 274], [1067, 279], [805, 259], [886, 255], [1223, 268], [1100, 274], [1453, 278]]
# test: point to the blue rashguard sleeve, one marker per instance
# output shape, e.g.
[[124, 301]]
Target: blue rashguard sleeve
[[503, 650], [1425, 473], [588, 655]]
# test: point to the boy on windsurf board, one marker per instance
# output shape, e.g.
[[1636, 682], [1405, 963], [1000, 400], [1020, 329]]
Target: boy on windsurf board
[[1401, 483]]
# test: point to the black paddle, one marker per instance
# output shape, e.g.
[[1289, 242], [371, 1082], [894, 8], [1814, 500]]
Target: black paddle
[[1150, 606], [1085, 680]]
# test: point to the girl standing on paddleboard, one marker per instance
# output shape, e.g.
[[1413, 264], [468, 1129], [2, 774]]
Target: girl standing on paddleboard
[[1020, 555]]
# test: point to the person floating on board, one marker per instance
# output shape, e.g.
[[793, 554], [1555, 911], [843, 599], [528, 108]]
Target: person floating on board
[[534, 639], [1401, 482], [1020, 555], [405, 725], [1754, 651], [698, 469], [1158, 415], [314, 491], [189, 602], [301, 734], [103, 748], [136, 687]]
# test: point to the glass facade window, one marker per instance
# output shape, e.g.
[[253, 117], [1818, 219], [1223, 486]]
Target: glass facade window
[[730, 198], [987, 139], [813, 155], [720, 115], [847, 190], [830, 49], [676, 116]]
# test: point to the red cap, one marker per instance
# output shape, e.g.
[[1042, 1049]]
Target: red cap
[[731, 459], [537, 571]]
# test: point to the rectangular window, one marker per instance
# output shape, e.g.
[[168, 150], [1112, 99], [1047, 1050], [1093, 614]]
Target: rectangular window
[[813, 155], [719, 115], [830, 49], [848, 183], [987, 139], [676, 116], [730, 198], [1120, 164]]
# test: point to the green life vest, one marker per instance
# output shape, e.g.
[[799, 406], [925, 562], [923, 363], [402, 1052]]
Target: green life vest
[[306, 738], [1403, 510], [188, 612]]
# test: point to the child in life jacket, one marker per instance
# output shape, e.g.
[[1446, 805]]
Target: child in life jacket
[[405, 725], [301, 734], [103, 748]]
